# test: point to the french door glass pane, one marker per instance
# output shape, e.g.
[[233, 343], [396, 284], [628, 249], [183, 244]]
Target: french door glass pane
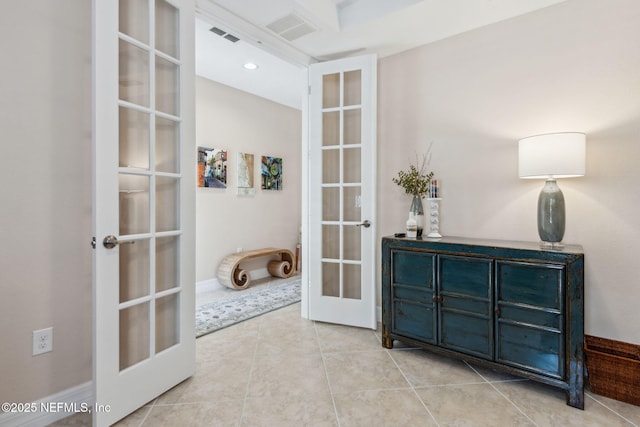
[[167, 28], [331, 166], [134, 270], [166, 86], [134, 19], [352, 197], [134, 335], [167, 140], [331, 204], [330, 279], [167, 198], [352, 246], [167, 263], [352, 88], [134, 139], [352, 126], [331, 90], [167, 322], [352, 167], [331, 128], [134, 204], [134, 74], [331, 241], [352, 281]]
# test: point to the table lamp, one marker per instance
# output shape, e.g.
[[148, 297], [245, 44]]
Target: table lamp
[[551, 156]]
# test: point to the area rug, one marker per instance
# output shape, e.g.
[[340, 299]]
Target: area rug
[[221, 314]]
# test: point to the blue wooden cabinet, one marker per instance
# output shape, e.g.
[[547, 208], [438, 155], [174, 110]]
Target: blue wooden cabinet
[[509, 306]]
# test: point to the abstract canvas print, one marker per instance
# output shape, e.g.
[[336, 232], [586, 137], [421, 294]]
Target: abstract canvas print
[[212, 167], [271, 172]]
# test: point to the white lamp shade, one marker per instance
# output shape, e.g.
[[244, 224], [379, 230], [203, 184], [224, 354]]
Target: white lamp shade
[[554, 155]]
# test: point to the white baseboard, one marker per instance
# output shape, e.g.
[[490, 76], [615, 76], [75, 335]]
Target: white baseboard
[[379, 314], [213, 284], [207, 285], [52, 408]]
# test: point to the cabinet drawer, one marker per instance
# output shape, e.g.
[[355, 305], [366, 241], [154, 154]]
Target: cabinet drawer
[[414, 321], [533, 349], [531, 283], [412, 268]]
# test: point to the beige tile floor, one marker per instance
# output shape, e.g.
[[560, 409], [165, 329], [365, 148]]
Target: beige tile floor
[[281, 370]]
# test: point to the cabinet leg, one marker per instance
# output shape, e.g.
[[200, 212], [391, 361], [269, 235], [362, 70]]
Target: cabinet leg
[[575, 398], [386, 341]]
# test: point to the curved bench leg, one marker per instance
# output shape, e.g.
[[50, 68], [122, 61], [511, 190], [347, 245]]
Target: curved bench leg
[[241, 278]]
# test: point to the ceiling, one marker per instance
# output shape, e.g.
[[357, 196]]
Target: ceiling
[[284, 36]]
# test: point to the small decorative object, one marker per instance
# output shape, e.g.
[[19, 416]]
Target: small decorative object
[[271, 171], [434, 217], [551, 156], [212, 167], [415, 182], [412, 226], [434, 189], [245, 174]]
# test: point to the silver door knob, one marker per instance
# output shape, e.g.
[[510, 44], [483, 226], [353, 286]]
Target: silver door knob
[[112, 241], [365, 224]]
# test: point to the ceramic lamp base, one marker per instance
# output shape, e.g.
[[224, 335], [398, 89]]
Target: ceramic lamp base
[[551, 214]]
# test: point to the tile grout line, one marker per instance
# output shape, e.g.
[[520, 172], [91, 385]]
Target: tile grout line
[[144, 419], [326, 373], [501, 394], [612, 410], [415, 392], [253, 367]]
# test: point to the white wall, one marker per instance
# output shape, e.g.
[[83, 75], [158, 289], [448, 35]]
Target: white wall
[[570, 67], [45, 195], [243, 123]]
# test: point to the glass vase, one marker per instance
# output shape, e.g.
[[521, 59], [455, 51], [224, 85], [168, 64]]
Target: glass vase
[[418, 212]]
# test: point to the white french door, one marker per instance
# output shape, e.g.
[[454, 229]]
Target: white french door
[[143, 201], [341, 191]]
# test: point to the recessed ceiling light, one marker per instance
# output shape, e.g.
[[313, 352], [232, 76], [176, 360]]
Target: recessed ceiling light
[[250, 66]]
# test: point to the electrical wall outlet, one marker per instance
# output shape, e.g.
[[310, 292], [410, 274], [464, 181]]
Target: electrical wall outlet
[[42, 341]]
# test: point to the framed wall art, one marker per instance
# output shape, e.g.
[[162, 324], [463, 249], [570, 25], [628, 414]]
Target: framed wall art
[[212, 167], [245, 174], [271, 172]]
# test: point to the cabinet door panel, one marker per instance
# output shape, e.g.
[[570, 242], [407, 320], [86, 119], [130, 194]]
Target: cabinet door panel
[[414, 321], [466, 333], [463, 303], [530, 283], [412, 294], [412, 268], [520, 314], [465, 275], [533, 349]]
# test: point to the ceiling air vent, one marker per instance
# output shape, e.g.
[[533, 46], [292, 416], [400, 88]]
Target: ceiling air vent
[[291, 27], [224, 34], [218, 31]]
